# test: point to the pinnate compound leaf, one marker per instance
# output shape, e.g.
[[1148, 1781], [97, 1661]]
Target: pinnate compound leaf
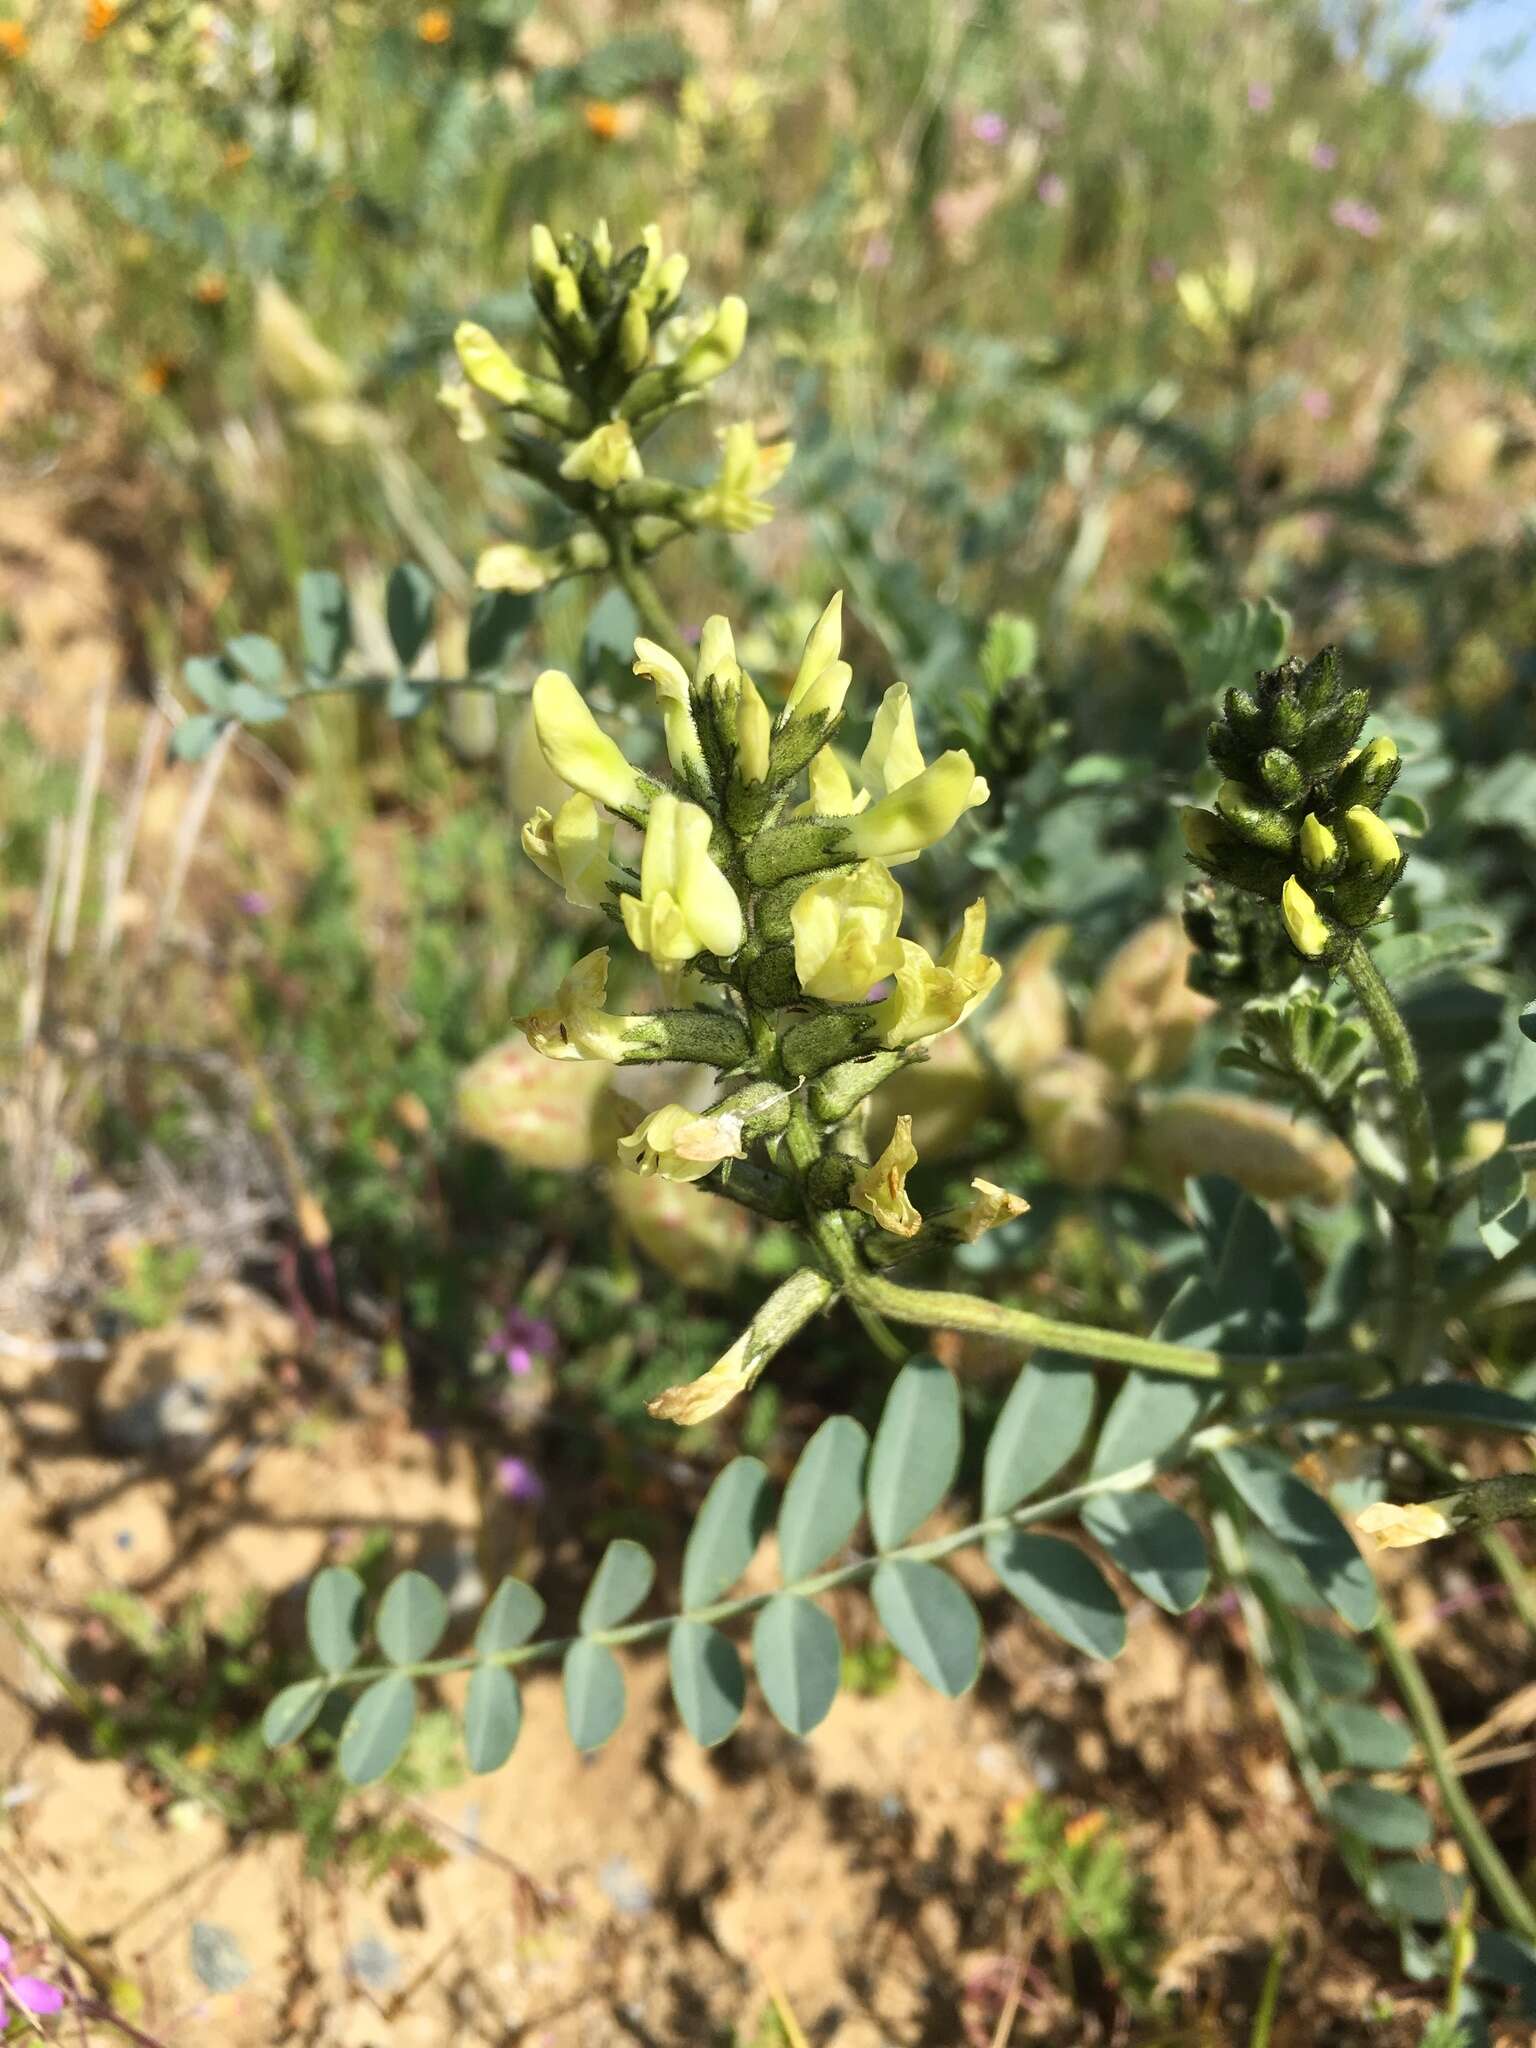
[[621, 1581], [1062, 1587], [932, 1620], [917, 1450], [593, 1686], [707, 1681], [511, 1615], [799, 1661], [493, 1717], [411, 1619], [333, 1616], [737, 1510], [1308, 1527], [1159, 1548], [376, 1731], [1042, 1425], [824, 1498]]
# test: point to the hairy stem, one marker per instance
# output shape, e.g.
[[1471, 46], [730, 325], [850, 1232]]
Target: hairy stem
[[1493, 1873], [642, 593]]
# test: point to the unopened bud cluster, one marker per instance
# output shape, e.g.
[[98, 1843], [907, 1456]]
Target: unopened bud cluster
[[1297, 819], [616, 354]]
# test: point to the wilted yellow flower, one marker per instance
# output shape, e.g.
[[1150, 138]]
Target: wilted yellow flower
[[711, 1391], [930, 997], [881, 1190], [572, 848], [845, 930], [1306, 929], [537, 1114], [1031, 1021], [576, 1026], [1401, 1528], [992, 1207], [1144, 1016], [686, 906], [681, 1144], [921, 811], [606, 458], [578, 749]]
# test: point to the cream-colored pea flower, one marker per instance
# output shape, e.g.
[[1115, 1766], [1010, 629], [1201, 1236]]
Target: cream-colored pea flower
[[681, 1144], [686, 905], [845, 931], [1402, 1527], [572, 847], [933, 996]]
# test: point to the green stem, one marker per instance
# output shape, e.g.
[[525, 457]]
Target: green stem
[[1493, 1873], [643, 595], [941, 1310]]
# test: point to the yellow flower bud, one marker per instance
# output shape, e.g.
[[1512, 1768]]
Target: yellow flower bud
[[1031, 1021], [893, 757], [1319, 846], [607, 457], [754, 732], [831, 789], [672, 689], [1073, 1108], [602, 244], [1203, 831], [686, 905], [1270, 1152], [488, 366], [1402, 1528], [576, 1026], [670, 277], [572, 848], [1306, 930], [1144, 1016], [578, 749], [992, 1207], [930, 997], [920, 811], [824, 643], [881, 1190], [717, 664], [634, 336], [717, 348], [537, 1115], [680, 1144], [567, 295], [1371, 840], [511, 566], [458, 401], [845, 929], [543, 255], [699, 1238]]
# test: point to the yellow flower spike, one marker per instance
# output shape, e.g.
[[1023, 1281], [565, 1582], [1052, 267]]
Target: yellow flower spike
[[717, 663], [543, 254], [754, 732], [576, 1026], [672, 689], [823, 645], [572, 848], [577, 748], [511, 566], [845, 930], [715, 350], [458, 401], [686, 906], [1306, 930], [1319, 846], [881, 1190], [680, 1144], [832, 794], [606, 458], [1402, 1528], [992, 1207], [934, 996], [893, 756], [488, 366], [921, 811], [1371, 840]]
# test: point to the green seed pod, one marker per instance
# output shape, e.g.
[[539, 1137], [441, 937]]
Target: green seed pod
[[771, 979], [1329, 738], [836, 1093], [1260, 824], [817, 1043], [797, 848], [1281, 777], [830, 1181]]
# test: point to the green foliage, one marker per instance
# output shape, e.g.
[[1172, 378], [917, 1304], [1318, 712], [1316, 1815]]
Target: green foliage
[[1083, 1868], [155, 1283]]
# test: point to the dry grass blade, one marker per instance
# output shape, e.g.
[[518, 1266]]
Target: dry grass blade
[[189, 830], [32, 995], [86, 791]]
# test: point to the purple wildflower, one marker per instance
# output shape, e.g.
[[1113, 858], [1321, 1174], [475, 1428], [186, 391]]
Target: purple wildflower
[[1052, 190], [878, 252], [1261, 97], [1162, 270], [32, 1994], [517, 1479], [1316, 402], [1357, 216], [521, 1339], [989, 127], [1324, 156], [253, 903]]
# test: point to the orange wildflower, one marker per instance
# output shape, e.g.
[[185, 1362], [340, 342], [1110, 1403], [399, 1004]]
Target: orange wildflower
[[13, 40], [211, 289], [156, 375], [602, 118], [236, 156], [99, 17], [434, 25]]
